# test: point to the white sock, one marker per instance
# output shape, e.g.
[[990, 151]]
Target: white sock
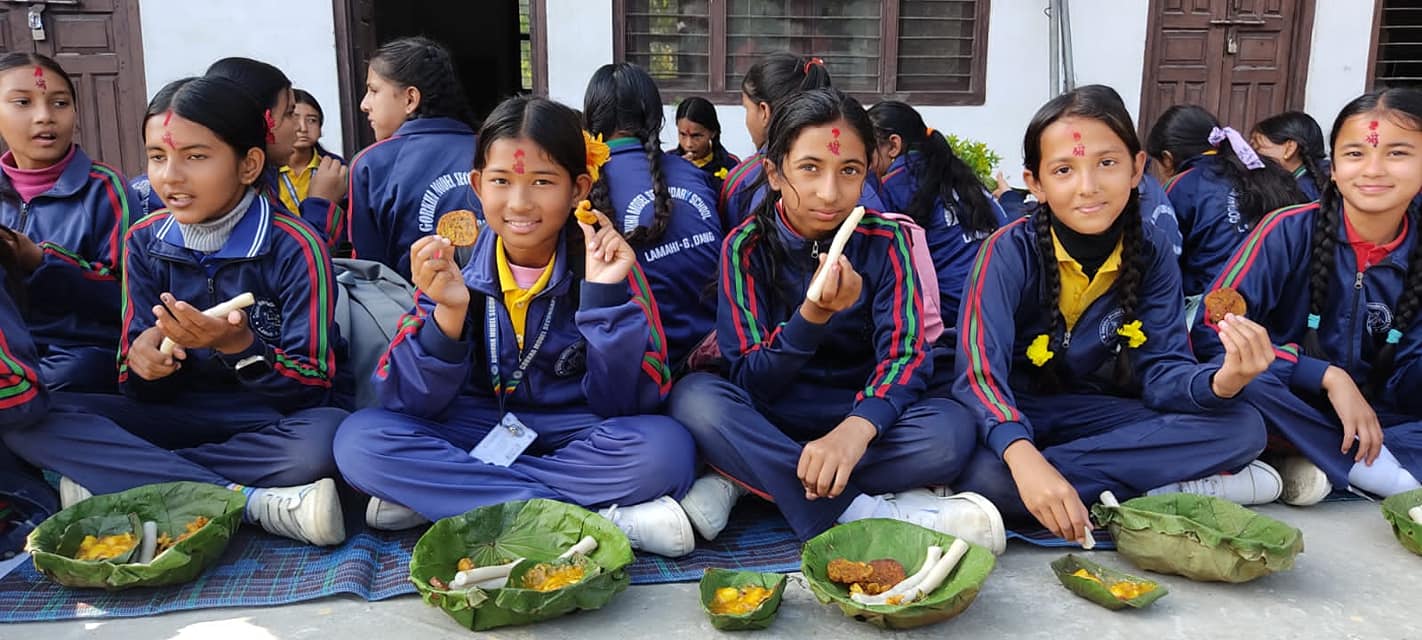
[[1385, 477], [864, 506], [253, 495]]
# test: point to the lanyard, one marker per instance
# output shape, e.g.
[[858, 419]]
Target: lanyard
[[291, 188], [491, 333]]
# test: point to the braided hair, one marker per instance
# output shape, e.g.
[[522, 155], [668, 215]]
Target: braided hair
[[804, 109], [941, 175], [623, 100], [1404, 104], [1104, 105], [425, 65], [1302, 130], [1183, 131]]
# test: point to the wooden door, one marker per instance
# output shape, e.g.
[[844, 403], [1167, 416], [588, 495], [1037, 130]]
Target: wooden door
[[355, 42], [1244, 60], [98, 43]]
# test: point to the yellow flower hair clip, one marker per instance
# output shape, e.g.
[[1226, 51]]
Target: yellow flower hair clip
[[597, 153], [1131, 331], [1038, 352]]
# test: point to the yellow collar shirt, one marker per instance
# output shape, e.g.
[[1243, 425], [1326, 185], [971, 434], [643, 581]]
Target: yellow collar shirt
[[1078, 290], [299, 181], [516, 298]]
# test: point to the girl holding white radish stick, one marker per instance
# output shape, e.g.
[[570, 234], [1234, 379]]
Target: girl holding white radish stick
[[242, 398], [824, 410]]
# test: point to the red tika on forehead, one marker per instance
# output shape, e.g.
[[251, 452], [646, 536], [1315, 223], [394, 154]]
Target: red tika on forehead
[[167, 117], [1372, 138], [833, 145], [39, 79], [168, 140], [518, 161], [1080, 149]]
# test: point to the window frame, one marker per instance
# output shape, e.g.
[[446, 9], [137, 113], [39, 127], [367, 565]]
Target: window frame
[[718, 93]]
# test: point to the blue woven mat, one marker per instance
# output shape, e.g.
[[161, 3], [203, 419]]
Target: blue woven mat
[[262, 570]]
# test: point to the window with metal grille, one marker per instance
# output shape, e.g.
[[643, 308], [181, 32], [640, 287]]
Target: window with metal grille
[[1399, 45], [525, 45], [928, 52]]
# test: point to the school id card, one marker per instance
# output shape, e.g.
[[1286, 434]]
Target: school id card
[[505, 443]]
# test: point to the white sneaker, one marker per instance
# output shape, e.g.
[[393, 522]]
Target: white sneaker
[[391, 516], [309, 513], [1257, 483], [72, 493], [965, 515], [708, 503], [1304, 483], [659, 526]]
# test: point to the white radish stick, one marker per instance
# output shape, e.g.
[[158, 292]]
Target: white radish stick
[[220, 311], [150, 542], [1416, 514], [472, 577], [934, 553], [1088, 541], [491, 584], [841, 238], [940, 572], [585, 546]]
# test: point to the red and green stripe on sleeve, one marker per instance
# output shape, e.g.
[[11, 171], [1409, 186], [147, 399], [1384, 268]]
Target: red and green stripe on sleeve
[[19, 383], [738, 176], [654, 360], [1243, 260], [410, 324], [318, 365], [117, 193], [88, 270], [126, 286], [738, 285], [906, 352], [1170, 184], [984, 385]]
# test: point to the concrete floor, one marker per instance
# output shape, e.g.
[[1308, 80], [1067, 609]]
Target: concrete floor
[[1353, 581]]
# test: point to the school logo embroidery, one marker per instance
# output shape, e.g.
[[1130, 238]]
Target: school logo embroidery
[[265, 319], [1109, 325], [1379, 318], [572, 361]]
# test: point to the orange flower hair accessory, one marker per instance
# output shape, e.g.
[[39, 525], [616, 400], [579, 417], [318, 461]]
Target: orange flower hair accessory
[[597, 153]]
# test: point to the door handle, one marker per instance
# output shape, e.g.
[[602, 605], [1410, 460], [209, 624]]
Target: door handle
[[1236, 22]]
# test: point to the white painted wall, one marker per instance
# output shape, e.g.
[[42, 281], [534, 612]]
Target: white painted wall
[[1109, 45], [579, 41], [182, 37], [1338, 66]]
